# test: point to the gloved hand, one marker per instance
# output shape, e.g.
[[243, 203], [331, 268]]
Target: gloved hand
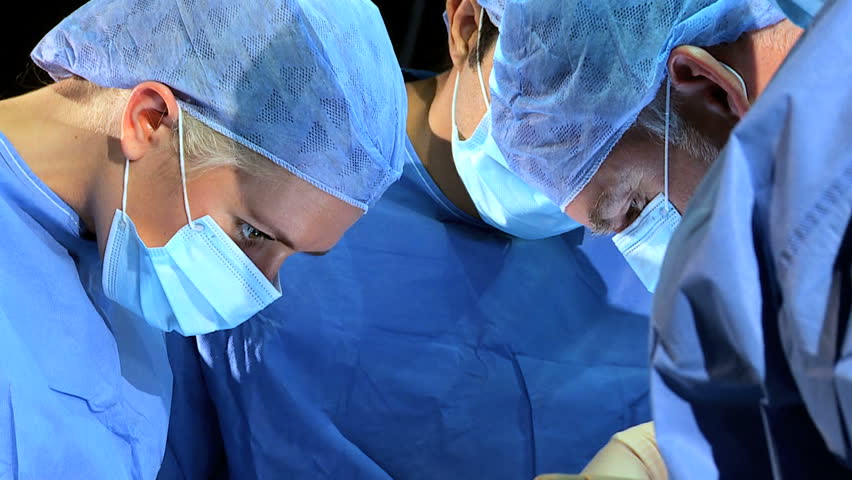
[[559, 476], [629, 455]]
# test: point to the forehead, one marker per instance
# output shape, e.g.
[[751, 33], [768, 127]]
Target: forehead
[[289, 204], [619, 174], [635, 155], [613, 175]]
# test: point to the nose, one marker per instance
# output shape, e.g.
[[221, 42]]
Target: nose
[[269, 263]]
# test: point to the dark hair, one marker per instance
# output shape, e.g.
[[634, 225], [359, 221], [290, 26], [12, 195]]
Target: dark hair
[[487, 38]]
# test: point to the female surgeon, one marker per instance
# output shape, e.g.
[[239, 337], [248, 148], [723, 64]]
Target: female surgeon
[[192, 146]]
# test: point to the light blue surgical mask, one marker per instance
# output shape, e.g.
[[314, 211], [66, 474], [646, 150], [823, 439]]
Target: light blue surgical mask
[[645, 241], [502, 199], [198, 283]]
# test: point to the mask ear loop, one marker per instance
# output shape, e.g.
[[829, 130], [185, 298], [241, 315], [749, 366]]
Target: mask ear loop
[[453, 110], [478, 69], [124, 188], [666, 147], [479, 59], [739, 77], [668, 116], [183, 172]]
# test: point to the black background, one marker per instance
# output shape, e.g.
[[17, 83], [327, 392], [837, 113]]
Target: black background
[[415, 27]]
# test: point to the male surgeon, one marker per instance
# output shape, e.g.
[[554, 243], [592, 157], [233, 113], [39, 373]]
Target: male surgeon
[[752, 375], [615, 110], [749, 342]]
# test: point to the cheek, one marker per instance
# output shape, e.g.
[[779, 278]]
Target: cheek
[[468, 118], [579, 209], [686, 187], [487, 67], [157, 212], [216, 194], [268, 257], [470, 106]]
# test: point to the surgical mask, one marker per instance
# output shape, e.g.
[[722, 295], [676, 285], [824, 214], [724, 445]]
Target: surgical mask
[[645, 241], [502, 199], [198, 283]]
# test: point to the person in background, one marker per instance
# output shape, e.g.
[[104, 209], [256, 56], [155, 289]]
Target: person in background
[[619, 125], [751, 354], [186, 149], [442, 337], [748, 344]]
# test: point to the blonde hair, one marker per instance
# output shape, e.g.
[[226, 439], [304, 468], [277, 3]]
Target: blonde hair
[[205, 148]]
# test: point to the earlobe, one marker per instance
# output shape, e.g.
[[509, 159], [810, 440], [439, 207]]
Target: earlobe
[[149, 116], [696, 74]]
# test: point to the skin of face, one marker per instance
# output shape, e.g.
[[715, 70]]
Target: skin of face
[[270, 215], [710, 99]]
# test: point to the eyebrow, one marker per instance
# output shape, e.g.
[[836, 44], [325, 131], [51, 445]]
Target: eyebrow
[[626, 185], [284, 240], [599, 224], [279, 236]]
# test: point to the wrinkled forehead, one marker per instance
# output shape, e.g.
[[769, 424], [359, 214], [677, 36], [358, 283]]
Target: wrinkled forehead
[[625, 164], [613, 185]]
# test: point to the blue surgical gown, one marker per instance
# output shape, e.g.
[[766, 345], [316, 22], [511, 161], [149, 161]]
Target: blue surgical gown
[[424, 346], [801, 12], [80, 397], [751, 352]]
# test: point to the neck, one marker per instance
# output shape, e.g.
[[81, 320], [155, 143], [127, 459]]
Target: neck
[[758, 54], [429, 129], [45, 129]]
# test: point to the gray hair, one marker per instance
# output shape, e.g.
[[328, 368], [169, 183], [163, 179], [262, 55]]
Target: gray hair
[[682, 135]]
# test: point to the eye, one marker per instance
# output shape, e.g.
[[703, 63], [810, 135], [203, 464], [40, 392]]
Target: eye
[[633, 211], [249, 235]]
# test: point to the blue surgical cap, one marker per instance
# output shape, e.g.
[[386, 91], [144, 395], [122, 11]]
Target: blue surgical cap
[[312, 85], [571, 76], [494, 9]]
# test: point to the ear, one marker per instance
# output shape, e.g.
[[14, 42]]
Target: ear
[[148, 120], [697, 74], [463, 16]]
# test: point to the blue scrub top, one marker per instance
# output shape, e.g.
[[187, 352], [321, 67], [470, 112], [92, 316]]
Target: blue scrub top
[[425, 345], [80, 397], [752, 354], [801, 12]]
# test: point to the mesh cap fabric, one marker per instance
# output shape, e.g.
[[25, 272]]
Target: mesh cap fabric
[[570, 77], [312, 85]]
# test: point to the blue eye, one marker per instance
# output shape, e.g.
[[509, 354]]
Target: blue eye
[[249, 234]]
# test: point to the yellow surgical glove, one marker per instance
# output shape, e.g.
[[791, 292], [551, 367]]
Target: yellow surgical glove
[[629, 455], [558, 476], [632, 454]]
